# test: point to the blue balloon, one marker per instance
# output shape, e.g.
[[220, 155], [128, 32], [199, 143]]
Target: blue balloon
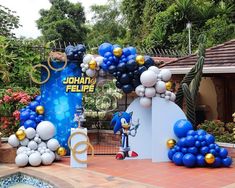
[[108, 55], [198, 144], [132, 50], [109, 63], [104, 67], [119, 85], [33, 105], [32, 117], [105, 60], [201, 132], [201, 138], [148, 61], [223, 153], [212, 146], [190, 141], [217, 163], [112, 69], [136, 82], [126, 52], [227, 161], [193, 150], [196, 137], [24, 115], [209, 139], [111, 59], [212, 151], [41, 117], [38, 98], [37, 120], [217, 148], [201, 161], [203, 143], [131, 65], [178, 158], [124, 79], [131, 57], [182, 142], [204, 150], [30, 123], [127, 88], [121, 67], [141, 69], [116, 46], [124, 60], [177, 148], [170, 154], [184, 150], [27, 107], [181, 128], [105, 47], [189, 160], [191, 133]]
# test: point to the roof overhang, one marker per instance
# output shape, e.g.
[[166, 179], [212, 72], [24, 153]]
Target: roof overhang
[[206, 70]]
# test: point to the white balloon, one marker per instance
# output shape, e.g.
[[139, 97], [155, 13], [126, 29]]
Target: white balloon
[[32, 145], [99, 60], [90, 73], [86, 66], [21, 149], [167, 97], [53, 144], [35, 159], [42, 144], [150, 92], [168, 93], [87, 58], [39, 140], [82, 65], [139, 90], [57, 157], [163, 95], [22, 128], [148, 78], [21, 160], [36, 139], [160, 87], [13, 141], [42, 151], [159, 76], [83, 69], [45, 130], [158, 95], [172, 97], [24, 142], [30, 133], [166, 74], [47, 159], [145, 102], [48, 150], [52, 154], [154, 69]]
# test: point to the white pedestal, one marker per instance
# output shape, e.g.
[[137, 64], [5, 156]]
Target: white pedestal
[[156, 127], [74, 141]]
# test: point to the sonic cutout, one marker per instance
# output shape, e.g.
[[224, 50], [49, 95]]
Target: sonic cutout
[[79, 116], [122, 121]]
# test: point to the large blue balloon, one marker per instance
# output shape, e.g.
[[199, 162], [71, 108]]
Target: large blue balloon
[[178, 158], [223, 153], [217, 163], [30, 123], [201, 161], [181, 128], [227, 161], [24, 115], [189, 160], [105, 47]]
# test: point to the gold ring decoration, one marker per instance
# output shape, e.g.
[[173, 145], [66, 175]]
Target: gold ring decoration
[[58, 56], [34, 68], [74, 149]]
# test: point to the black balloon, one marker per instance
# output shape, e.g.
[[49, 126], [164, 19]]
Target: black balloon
[[119, 73], [119, 85], [131, 65], [130, 74], [136, 82], [127, 88], [121, 67], [124, 79], [148, 61], [142, 69], [112, 69]]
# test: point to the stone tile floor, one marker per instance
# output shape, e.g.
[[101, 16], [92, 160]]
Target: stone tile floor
[[106, 171]]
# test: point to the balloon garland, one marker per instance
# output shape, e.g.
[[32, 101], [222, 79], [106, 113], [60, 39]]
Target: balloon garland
[[196, 148]]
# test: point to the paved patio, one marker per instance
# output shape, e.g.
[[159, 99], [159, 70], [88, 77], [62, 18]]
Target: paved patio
[[106, 171]]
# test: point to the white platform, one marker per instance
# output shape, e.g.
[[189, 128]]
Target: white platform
[[156, 127]]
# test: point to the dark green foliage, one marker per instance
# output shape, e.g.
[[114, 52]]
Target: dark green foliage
[[8, 21], [64, 21]]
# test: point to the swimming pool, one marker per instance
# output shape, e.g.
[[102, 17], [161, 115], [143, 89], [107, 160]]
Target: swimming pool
[[21, 180]]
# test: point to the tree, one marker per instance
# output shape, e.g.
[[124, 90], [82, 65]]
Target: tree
[[64, 21], [108, 24], [8, 21]]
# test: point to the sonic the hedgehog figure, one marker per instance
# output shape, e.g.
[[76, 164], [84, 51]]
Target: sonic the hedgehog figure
[[122, 121]]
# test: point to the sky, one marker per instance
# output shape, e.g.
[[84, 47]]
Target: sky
[[28, 11]]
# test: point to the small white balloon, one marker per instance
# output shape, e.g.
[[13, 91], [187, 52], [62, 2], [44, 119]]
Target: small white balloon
[[28, 153], [21, 149], [35, 159], [42, 151], [42, 144], [52, 154], [99, 60], [48, 151], [13, 141], [160, 87], [166, 74], [24, 142], [22, 128], [45, 130], [37, 135], [30, 133], [32, 145], [86, 66], [159, 76], [163, 95], [145, 102], [36, 139], [154, 69], [148, 78], [167, 97], [21, 160], [44, 148], [139, 90], [84, 69], [90, 73], [172, 97], [150, 92], [47, 159], [168, 93], [39, 140], [87, 58], [53, 144]]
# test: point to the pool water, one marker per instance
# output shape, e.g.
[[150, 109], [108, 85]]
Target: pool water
[[21, 185]]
